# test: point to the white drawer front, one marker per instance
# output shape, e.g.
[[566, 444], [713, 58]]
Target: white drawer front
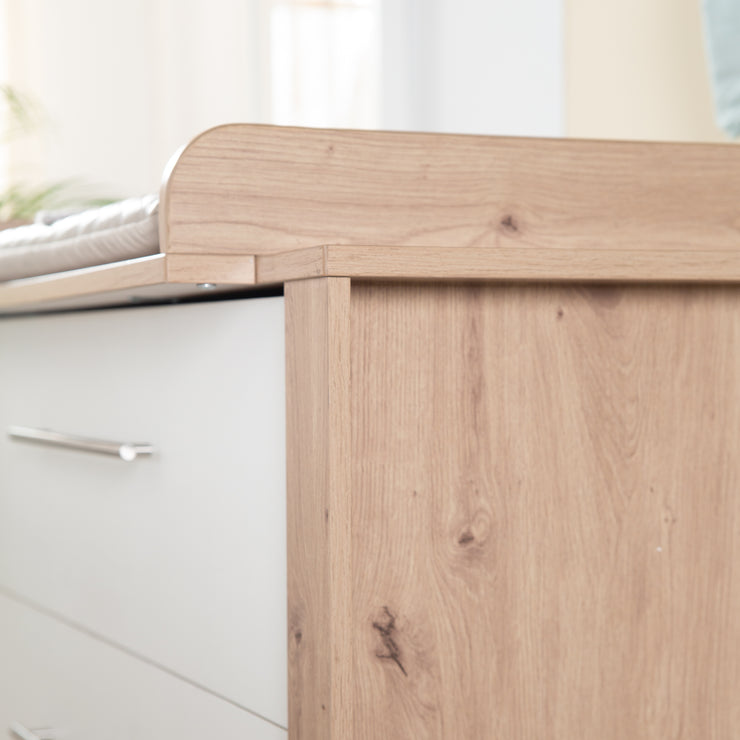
[[179, 557], [54, 677]]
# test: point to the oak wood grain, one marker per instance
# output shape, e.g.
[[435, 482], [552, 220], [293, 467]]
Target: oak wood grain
[[216, 268], [152, 278], [297, 264], [262, 189], [545, 511], [318, 505], [502, 264], [135, 273]]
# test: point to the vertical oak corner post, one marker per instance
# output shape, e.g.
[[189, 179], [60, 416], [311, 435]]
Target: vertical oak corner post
[[318, 507]]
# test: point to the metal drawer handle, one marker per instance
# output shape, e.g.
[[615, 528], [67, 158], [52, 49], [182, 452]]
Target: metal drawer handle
[[127, 451], [18, 730]]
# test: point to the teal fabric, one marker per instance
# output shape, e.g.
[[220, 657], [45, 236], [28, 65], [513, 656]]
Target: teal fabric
[[722, 28]]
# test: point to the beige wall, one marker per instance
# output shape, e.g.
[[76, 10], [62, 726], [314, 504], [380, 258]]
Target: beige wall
[[636, 69]]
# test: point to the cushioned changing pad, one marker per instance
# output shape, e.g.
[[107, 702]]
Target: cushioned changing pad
[[119, 231]]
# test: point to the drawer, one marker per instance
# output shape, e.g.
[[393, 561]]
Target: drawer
[[180, 557], [53, 676]]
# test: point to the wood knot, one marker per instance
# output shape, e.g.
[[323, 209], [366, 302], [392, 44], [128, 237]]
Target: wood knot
[[669, 517], [509, 224], [466, 538], [295, 631], [386, 629], [475, 531]]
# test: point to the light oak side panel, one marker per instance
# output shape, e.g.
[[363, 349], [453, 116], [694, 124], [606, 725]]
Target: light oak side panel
[[263, 189], [319, 556], [546, 512]]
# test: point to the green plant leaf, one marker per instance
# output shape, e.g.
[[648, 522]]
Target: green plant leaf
[[23, 113], [20, 201]]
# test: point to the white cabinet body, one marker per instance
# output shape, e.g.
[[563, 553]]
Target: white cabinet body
[[179, 558]]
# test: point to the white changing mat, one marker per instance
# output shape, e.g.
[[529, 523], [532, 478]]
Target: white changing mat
[[119, 231]]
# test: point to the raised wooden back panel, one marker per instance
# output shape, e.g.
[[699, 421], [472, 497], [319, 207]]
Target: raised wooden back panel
[[259, 190]]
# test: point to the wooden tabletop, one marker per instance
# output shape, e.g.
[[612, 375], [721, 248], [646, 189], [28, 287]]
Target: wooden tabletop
[[250, 204]]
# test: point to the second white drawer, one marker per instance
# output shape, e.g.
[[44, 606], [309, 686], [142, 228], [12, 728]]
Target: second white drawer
[[180, 557], [54, 677]]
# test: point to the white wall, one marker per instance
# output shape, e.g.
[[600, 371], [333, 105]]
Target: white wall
[[474, 66], [123, 84]]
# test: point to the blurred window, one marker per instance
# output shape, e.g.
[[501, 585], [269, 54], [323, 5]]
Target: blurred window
[[324, 62]]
